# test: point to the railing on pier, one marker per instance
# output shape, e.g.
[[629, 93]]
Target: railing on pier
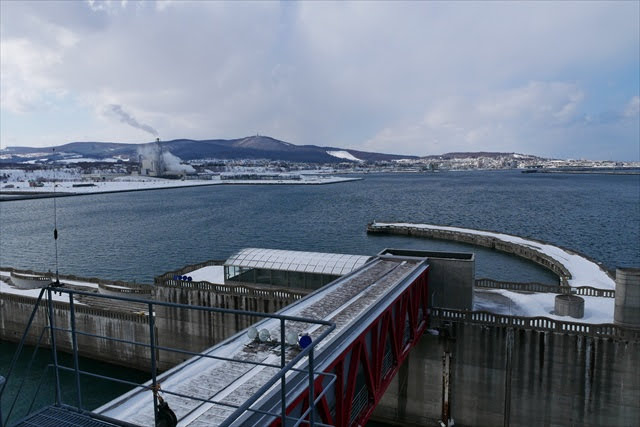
[[238, 290], [543, 287], [53, 331], [440, 315]]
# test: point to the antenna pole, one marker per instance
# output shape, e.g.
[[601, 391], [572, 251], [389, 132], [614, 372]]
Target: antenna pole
[[55, 222]]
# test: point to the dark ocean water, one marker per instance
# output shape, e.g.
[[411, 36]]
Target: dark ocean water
[[142, 234], [135, 236]]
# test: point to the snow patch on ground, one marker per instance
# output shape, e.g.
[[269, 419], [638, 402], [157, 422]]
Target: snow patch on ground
[[5, 288], [341, 154], [596, 309], [212, 274]]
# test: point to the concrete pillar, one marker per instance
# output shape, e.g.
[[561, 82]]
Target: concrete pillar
[[569, 305], [627, 309]]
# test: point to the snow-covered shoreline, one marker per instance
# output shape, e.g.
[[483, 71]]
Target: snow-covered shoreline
[[22, 190]]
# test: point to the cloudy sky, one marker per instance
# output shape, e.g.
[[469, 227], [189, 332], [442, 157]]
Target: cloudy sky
[[557, 79]]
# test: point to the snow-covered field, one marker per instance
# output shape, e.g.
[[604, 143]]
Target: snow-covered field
[[540, 304]]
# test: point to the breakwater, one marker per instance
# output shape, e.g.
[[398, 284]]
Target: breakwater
[[478, 240], [571, 268]]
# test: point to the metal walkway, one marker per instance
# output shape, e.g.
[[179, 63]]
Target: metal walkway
[[53, 416]]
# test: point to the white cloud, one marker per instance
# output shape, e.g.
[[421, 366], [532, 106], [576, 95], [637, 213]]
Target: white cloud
[[519, 119], [358, 75], [633, 108]]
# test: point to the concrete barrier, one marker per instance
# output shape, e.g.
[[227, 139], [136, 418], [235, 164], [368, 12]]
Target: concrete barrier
[[627, 308], [481, 369], [569, 305], [479, 240]]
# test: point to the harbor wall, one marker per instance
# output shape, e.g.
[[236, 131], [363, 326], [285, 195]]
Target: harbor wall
[[487, 374], [16, 309], [479, 240]]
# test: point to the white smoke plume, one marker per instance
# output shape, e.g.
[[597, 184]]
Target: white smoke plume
[[130, 120], [172, 163], [164, 160]]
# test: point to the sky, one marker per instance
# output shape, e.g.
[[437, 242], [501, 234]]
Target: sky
[[555, 79]]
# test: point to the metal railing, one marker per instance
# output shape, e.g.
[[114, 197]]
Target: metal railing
[[240, 410], [543, 287], [438, 315]]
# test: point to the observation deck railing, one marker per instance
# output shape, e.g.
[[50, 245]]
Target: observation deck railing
[[440, 315], [52, 331], [543, 287]]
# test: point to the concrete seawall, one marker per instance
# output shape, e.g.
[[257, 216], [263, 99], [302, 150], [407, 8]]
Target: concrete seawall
[[483, 240], [14, 315], [515, 376]]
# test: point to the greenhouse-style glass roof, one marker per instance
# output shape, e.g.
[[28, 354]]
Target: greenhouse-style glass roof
[[307, 262]]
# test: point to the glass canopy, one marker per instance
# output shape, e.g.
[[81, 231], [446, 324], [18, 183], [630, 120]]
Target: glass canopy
[[306, 262]]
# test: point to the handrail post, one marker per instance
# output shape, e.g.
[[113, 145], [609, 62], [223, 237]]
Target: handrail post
[[74, 340], [283, 393], [152, 342], [312, 404], [54, 349], [2, 382]]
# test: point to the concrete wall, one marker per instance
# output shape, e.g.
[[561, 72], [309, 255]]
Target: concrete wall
[[195, 330], [14, 315], [451, 282], [479, 240], [451, 276], [627, 308], [182, 329], [517, 377]]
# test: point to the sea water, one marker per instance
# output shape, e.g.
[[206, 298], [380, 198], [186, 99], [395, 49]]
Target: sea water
[[137, 235]]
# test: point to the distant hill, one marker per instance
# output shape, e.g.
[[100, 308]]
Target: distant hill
[[477, 154], [252, 147]]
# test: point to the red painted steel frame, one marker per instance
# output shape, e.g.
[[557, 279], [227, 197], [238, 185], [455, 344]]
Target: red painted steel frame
[[391, 323]]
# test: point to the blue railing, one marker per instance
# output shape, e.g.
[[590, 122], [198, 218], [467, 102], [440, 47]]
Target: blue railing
[[240, 410]]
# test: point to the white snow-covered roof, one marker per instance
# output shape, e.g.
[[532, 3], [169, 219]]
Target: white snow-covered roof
[[307, 262]]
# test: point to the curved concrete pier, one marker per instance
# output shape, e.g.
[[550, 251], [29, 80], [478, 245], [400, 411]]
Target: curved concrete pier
[[572, 268]]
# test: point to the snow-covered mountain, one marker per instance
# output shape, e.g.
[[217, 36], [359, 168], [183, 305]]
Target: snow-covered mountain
[[253, 147]]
